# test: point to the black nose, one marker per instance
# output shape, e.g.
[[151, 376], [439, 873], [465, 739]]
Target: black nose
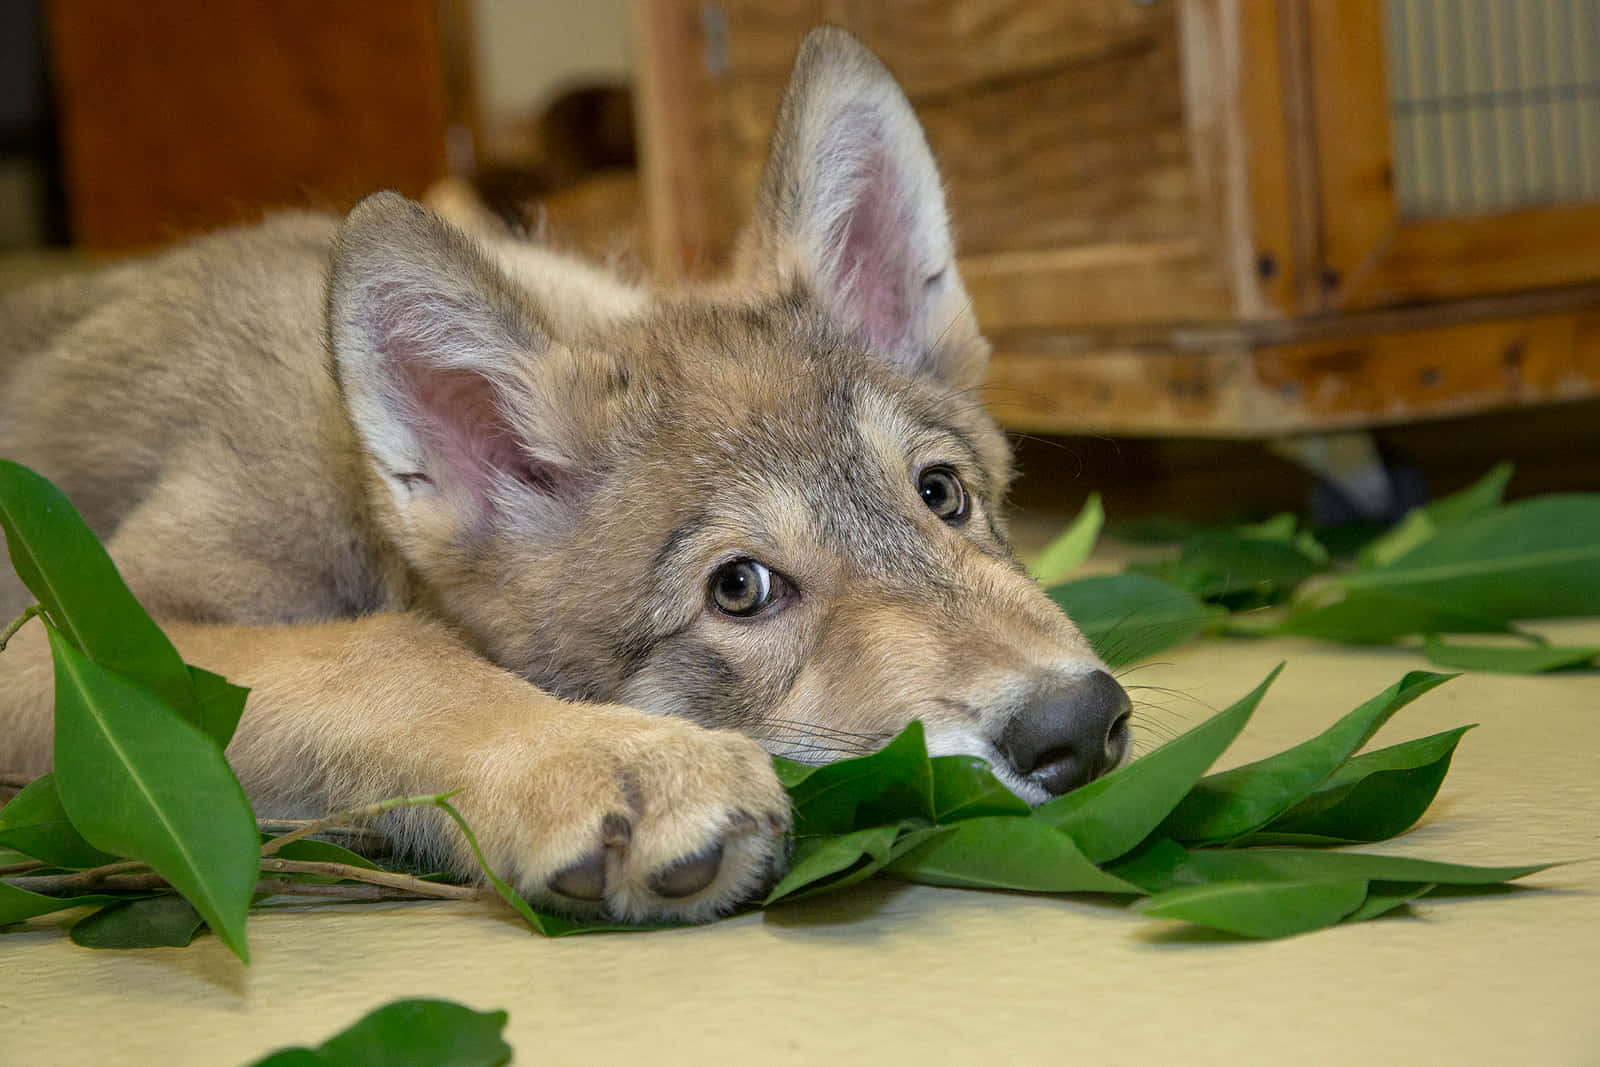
[[1068, 733]]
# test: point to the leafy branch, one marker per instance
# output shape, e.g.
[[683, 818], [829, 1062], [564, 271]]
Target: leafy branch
[[1465, 564], [143, 820]]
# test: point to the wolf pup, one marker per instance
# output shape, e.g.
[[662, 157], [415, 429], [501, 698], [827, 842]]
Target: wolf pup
[[468, 514]]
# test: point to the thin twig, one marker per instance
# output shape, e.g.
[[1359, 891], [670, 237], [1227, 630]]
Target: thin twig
[[21, 868], [18, 623], [18, 782], [92, 876], [372, 877], [356, 835], [56, 884], [342, 818], [128, 880], [285, 886]]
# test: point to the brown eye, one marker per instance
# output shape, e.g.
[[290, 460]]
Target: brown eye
[[944, 494], [744, 587]]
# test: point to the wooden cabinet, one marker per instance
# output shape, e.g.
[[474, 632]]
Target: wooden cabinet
[[1219, 217], [183, 115]]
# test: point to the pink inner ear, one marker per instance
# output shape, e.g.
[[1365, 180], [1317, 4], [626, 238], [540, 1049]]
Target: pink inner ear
[[456, 411], [457, 414], [874, 265]]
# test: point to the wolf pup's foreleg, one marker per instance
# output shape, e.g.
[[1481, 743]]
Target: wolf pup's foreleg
[[597, 809]]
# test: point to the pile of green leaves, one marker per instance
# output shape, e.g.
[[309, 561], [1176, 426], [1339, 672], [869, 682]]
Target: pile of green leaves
[[1181, 844], [1466, 564], [143, 820]]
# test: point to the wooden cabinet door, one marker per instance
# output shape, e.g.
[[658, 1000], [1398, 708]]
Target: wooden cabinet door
[[188, 114], [1457, 147]]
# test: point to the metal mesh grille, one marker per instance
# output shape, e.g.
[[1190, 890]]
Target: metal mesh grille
[[1493, 104]]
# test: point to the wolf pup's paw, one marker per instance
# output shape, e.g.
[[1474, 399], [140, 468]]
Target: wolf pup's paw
[[647, 819]]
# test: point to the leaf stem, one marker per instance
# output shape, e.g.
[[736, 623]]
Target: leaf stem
[[22, 868], [128, 878], [350, 815], [355, 834], [389, 879], [18, 623], [283, 885]]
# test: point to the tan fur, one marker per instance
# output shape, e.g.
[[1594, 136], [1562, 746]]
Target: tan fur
[[449, 506]]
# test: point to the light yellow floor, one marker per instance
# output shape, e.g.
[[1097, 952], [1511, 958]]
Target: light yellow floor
[[894, 973]]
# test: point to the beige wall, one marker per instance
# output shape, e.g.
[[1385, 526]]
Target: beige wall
[[529, 49]]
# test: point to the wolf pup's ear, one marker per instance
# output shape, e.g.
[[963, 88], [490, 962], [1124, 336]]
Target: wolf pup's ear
[[851, 200], [445, 368]]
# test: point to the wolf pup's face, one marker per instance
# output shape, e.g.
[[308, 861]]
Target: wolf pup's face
[[774, 506]]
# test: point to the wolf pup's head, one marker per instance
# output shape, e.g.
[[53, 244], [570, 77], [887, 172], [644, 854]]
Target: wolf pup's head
[[774, 505]]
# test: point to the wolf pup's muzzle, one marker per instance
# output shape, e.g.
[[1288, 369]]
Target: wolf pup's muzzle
[[1068, 732]]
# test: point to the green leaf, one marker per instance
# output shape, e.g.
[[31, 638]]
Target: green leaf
[[964, 788], [1274, 909], [1006, 852], [1226, 565], [19, 904], [220, 704], [1281, 527], [1534, 659], [1325, 865], [1111, 815], [1420, 524], [139, 781], [1068, 551], [1129, 617], [166, 921], [1384, 897], [1373, 797], [34, 822], [1157, 865], [542, 922], [308, 850], [1481, 497], [408, 1032], [57, 557], [891, 784], [791, 773], [824, 864], [1373, 617], [1224, 806], [1536, 559]]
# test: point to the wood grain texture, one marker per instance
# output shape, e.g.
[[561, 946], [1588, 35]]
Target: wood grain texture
[[196, 113], [1096, 286], [1239, 96], [1081, 155], [937, 47], [1061, 126], [1230, 387]]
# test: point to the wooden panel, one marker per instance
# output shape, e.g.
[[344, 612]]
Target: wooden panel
[[1096, 286], [192, 113], [1081, 155], [1240, 100], [936, 47], [1370, 255], [1356, 380], [1071, 140], [1129, 391], [1394, 377]]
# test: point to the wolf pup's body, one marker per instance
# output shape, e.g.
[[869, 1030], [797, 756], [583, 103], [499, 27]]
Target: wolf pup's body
[[470, 515]]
